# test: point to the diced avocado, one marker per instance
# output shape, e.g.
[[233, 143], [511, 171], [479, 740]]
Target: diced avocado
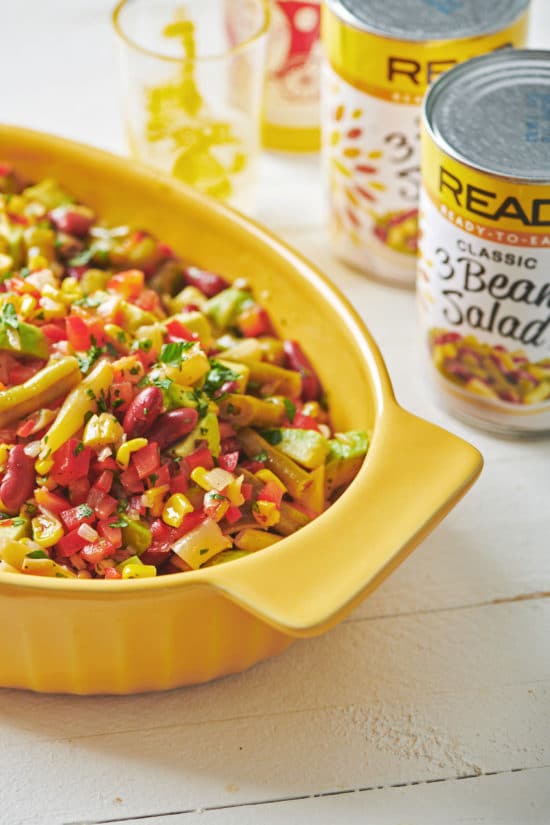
[[224, 308], [49, 193], [345, 457], [177, 396], [208, 429], [137, 536], [94, 280], [353, 444], [32, 339], [307, 447], [189, 295], [195, 322], [135, 317], [15, 528]]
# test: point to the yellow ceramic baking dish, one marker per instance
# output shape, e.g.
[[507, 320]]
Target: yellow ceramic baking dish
[[151, 634]]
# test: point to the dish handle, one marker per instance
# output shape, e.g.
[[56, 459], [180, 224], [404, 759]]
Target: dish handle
[[414, 474]]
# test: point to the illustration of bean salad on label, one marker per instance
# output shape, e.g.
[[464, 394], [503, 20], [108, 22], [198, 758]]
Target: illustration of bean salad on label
[[151, 421]]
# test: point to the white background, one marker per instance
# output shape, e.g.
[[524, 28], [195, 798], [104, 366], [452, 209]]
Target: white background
[[430, 705]]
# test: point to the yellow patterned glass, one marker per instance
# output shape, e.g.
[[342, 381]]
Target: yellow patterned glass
[[192, 81]]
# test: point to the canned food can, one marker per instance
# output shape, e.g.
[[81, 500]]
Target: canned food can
[[381, 57], [292, 115], [484, 264]]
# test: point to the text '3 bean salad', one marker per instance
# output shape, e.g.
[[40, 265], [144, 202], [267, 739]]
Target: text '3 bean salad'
[[151, 421]]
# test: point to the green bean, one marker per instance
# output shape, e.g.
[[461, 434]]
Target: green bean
[[295, 479], [243, 410]]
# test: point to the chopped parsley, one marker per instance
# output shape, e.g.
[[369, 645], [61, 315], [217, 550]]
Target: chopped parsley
[[37, 554], [203, 550], [87, 360], [262, 456], [121, 522], [84, 257], [162, 383], [172, 353], [290, 409], [218, 375], [78, 449], [84, 511]]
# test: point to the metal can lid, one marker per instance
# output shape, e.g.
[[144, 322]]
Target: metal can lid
[[421, 20], [493, 114]]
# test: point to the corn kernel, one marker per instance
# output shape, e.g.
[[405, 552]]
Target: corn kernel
[[125, 450], [46, 530], [37, 262], [154, 499], [175, 509], [102, 430], [27, 305], [52, 309], [233, 492], [139, 571], [43, 466], [266, 513], [199, 476], [267, 476]]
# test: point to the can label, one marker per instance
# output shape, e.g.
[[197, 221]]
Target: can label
[[372, 92], [294, 59], [373, 173], [484, 282]]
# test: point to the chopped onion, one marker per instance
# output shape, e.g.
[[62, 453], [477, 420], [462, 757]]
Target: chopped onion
[[88, 533], [219, 479], [32, 449], [201, 543], [104, 454]]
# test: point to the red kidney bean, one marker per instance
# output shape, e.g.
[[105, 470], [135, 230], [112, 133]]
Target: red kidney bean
[[208, 282], [74, 219], [18, 482], [143, 412], [173, 425], [298, 360]]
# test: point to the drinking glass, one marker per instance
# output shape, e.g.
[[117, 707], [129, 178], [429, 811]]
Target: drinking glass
[[192, 76]]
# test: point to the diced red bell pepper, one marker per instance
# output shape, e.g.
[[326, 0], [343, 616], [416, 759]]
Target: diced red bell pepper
[[271, 492], [102, 503], [99, 550], [70, 544], [149, 300], [128, 283], [233, 514], [81, 330], [78, 491], [201, 457], [179, 484], [158, 478], [70, 462], [147, 460], [112, 573], [160, 531], [105, 464], [51, 502], [75, 516], [305, 422], [104, 481], [112, 534], [178, 332], [227, 430], [229, 461], [131, 481], [54, 332], [247, 490], [254, 321]]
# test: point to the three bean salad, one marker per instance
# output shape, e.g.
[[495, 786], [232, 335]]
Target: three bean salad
[[151, 421]]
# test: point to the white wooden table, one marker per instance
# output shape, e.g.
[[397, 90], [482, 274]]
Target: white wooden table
[[430, 704]]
